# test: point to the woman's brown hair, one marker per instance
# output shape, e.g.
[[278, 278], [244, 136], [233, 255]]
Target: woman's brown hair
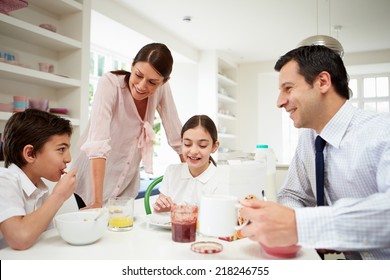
[[158, 55]]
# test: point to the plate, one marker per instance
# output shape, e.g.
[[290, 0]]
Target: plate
[[206, 247], [162, 220]]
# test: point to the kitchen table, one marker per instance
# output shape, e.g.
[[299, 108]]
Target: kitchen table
[[143, 242]]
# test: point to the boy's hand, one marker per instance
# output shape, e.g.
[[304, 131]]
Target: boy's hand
[[66, 185]]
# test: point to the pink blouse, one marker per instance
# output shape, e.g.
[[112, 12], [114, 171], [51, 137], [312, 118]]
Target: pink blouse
[[117, 133]]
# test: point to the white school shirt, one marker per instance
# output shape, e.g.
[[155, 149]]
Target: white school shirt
[[183, 188], [18, 195], [357, 185]]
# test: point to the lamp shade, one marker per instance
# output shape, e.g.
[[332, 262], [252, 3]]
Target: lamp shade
[[324, 40]]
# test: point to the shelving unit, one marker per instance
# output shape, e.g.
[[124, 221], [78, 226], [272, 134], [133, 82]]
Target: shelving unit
[[227, 103], [67, 50], [218, 97]]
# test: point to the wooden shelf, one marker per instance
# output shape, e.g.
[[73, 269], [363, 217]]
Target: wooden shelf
[[226, 81], [58, 7], [225, 98], [4, 116], [26, 32], [26, 75], [226, 117]]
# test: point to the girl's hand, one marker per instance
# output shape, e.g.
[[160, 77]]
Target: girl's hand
[[163, 204]]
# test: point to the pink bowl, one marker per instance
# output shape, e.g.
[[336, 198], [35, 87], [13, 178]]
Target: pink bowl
[[282, 252], [40, 104], [49, 27]]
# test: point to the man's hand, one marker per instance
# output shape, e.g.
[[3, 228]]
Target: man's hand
[[270, 223]]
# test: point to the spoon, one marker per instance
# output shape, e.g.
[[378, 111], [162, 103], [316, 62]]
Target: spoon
[[263, 194], [99, 216]]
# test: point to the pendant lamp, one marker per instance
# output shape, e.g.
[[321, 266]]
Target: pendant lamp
[[325, 40]]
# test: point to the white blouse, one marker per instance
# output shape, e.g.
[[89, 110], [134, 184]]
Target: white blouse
[[183, 188]]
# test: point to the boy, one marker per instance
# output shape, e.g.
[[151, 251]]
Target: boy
[[36, 145]]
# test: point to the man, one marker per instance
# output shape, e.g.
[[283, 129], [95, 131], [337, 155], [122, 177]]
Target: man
[[314, 89]]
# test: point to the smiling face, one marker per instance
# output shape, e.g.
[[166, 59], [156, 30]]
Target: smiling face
[[50, 162], [197, 147], [144, 80], [301, 100]]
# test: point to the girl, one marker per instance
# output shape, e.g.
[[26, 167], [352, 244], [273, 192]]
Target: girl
[[185, 183]]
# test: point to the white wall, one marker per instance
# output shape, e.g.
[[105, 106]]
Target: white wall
[[148, 29], [260, 119], [184, 85]]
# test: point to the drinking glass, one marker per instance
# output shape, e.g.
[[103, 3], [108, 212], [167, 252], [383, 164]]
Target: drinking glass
[[183, 219], [121, 210]]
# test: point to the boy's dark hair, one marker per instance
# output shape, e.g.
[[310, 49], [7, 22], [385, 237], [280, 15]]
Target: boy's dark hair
[[31, 127]]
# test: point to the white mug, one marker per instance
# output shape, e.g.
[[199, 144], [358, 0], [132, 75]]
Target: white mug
[[218, 215]]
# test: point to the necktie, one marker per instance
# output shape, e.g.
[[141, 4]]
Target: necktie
[[320, 145]]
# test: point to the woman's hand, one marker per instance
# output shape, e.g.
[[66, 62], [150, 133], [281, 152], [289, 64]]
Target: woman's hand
[[163, 204], [93, 205]]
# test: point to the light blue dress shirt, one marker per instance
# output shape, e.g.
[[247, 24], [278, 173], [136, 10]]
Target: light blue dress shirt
[[357, 185]]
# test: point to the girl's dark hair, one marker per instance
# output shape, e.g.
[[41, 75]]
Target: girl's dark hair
[[31, 127], [203, 121], [312, 60], [158, 55]]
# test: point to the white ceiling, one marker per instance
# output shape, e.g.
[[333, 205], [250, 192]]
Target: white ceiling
[[262, 30]]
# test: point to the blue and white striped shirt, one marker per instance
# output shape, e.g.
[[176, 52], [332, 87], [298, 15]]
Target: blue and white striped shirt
[[357, 185]]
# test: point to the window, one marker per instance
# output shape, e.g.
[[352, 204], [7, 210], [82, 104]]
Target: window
[[369, 92], [102, 61]]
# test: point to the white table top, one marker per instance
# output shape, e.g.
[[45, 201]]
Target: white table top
[[144, 241]]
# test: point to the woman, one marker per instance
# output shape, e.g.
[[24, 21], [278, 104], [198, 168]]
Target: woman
[[119, 134]]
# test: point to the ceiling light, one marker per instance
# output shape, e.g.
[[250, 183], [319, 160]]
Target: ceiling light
[[325, 40]]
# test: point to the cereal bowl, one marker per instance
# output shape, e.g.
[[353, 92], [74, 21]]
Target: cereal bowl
[[80, 228], [281, 252]]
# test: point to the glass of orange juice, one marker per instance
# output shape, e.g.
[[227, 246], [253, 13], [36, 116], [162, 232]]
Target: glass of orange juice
[[121, 213]]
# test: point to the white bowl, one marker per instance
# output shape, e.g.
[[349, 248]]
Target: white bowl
[[80, 228]]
